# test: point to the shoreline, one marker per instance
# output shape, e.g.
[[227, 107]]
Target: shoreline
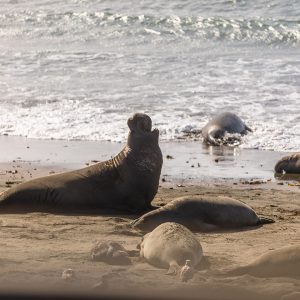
[[185, 163]]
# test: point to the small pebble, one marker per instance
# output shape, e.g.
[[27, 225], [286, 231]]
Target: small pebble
[[68, 274]]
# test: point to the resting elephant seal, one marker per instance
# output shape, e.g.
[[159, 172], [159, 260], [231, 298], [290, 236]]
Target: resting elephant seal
[[214, 132], [127, 182], [170, 245], [284, 262], [289, 164], [200, 214]]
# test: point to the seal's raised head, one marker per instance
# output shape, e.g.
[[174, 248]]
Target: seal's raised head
[[140, 122], [140, 126]]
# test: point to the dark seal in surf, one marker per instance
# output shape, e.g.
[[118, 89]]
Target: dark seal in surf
[[224, 129], [289, 164]]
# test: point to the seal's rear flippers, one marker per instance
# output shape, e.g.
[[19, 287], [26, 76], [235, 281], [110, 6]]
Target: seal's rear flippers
[[174, 268], [264, 220], [248, 128]]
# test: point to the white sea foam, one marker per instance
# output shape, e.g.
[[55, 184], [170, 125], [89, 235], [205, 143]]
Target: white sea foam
[[79, 69], [74, 120]]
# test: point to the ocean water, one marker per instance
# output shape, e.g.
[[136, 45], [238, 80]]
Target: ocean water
[[77, 69]]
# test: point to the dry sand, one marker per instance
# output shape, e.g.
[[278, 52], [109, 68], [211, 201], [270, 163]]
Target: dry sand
[[36, 247]]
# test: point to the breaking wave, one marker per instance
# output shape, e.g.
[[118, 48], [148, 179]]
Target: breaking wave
[[89, 26]]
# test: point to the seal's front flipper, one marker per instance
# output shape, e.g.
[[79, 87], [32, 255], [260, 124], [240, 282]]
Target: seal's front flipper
[[246, 130], [174, 268], [264, 220]]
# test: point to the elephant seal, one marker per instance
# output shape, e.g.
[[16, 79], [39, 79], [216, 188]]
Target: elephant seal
[[289, 164], [284, 262], [200, 214], [169, 246], [128, 182], [215, 131]]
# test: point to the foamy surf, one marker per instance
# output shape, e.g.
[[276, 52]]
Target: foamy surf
[[74, 121], [78, 70]]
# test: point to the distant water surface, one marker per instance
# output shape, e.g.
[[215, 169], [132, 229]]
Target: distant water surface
[[77, 69]]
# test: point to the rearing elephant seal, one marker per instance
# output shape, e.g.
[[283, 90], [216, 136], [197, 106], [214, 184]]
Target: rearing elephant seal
[[201, 214], [289, 164], [127, 182], [214, 132]]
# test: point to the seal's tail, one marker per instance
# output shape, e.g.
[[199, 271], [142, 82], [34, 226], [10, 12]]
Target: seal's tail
[[248, 128], [264, 220]]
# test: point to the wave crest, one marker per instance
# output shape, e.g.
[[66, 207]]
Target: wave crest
[[92, 25]]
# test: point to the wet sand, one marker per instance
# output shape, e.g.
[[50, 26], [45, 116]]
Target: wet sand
[[188, 161], [36, 247]]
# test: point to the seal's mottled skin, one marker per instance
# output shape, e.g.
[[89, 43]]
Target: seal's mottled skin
[[214, 131], [127, 182], [289, 164], [169, 246], [200, 214]]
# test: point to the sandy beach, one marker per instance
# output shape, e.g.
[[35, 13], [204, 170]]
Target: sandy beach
[[36, 247], [76, 76]]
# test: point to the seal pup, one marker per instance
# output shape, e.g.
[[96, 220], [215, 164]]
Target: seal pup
[[289, 164], [283, 262], [215, 131], [128, 182], [170, 245], [201, 214]]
